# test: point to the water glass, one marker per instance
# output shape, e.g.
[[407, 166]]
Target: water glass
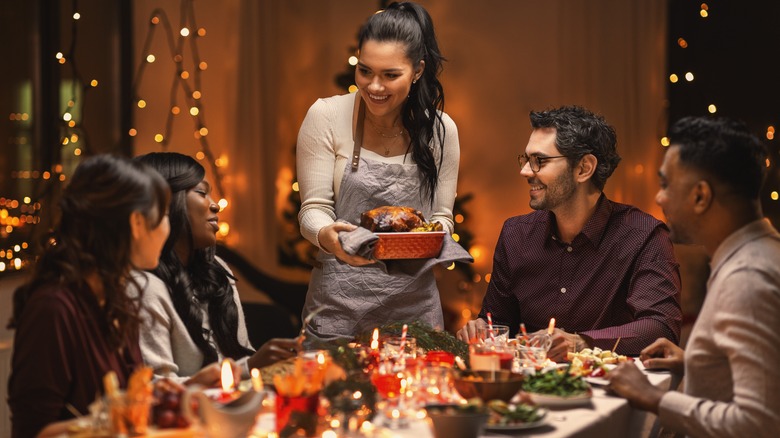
[[499, 334]]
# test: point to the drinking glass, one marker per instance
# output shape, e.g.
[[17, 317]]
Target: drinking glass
[[297, 413], [499, 333], [489, 356]]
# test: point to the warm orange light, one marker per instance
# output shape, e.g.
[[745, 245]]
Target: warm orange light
[[375, 340], [227, 376], [224, 229]]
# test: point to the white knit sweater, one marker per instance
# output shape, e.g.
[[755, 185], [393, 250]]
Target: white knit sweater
[[166, 345]]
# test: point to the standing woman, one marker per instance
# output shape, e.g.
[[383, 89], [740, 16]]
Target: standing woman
[[192, 316], [388, 144], [73, 320]]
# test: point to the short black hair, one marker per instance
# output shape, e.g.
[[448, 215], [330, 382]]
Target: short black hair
[[723, 149], [580, 132]]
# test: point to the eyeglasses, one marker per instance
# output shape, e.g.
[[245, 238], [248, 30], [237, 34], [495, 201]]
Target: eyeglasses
[[535, 161]]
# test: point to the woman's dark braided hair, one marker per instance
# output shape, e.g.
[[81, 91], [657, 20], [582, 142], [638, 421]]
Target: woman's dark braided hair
[[93, 236], [411, 25], [203, 279]]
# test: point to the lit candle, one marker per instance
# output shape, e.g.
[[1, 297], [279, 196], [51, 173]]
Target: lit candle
[[375, 340], [551, 328], [257, 382], [228, 383], [459, 362]]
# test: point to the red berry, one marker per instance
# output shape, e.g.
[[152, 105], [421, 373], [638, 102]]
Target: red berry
[[166, 419], [182, 422], [170, 401]]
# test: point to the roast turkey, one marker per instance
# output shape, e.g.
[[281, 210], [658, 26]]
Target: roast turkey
[[395, 219]]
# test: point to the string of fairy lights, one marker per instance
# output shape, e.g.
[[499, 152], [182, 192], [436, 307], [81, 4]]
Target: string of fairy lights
[[18, 216], [681, 78], [187, 83]]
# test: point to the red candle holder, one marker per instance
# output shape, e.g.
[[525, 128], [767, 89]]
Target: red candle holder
[[440, 358]]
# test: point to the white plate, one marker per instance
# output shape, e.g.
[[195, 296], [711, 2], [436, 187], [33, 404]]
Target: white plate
[[554, 401], [520, 426]]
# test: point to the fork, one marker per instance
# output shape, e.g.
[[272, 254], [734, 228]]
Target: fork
[[306, 321]]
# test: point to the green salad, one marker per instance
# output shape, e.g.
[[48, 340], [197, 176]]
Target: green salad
[[556, 382], [504, 414]]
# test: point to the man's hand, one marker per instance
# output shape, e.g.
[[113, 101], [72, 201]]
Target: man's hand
[[273, 351], [663, 354], [329, 241], [627, 381], [469, 331], [562, 343]]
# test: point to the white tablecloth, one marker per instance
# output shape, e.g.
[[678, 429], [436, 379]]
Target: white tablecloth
[[605, 416]]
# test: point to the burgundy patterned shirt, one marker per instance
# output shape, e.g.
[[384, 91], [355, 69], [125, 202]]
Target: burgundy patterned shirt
[[617, 278]]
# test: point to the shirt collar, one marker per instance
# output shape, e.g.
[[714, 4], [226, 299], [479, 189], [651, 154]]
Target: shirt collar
[[752, 231], [596, 225]]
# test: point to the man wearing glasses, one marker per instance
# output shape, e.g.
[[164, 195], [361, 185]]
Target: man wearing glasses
[[604, 270]]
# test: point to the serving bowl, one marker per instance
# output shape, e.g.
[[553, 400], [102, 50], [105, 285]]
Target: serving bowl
[[488, 385], [451, 421]]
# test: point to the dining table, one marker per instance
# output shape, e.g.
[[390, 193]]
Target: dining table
[[604, 415]]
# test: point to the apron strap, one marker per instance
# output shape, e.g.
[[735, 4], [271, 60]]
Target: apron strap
[[358, 134]]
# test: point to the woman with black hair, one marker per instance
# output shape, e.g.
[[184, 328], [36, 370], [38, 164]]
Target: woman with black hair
[[388, 144], [192, 316], [74, 323]]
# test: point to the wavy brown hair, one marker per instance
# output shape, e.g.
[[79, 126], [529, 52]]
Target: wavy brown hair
[[94, 236]]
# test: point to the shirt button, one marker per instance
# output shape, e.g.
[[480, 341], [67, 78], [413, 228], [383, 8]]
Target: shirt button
[[563, 290], [569, 249]]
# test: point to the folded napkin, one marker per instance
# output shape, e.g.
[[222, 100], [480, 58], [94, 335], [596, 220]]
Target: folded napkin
[[361, 241]]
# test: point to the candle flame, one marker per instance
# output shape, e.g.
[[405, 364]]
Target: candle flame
[[321, 359], [227, 376], [375, 340], [552, 326], [257, 382]]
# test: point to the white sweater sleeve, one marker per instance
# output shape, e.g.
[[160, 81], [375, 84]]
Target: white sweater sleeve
[[316, 158], [448, 176], [158, 317]]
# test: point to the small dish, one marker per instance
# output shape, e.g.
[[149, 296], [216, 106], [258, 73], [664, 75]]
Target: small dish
[[520, 426], [554, 401]]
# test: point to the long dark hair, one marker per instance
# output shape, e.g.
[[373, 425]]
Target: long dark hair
[[411, 25], [94, 236], [203, 279]]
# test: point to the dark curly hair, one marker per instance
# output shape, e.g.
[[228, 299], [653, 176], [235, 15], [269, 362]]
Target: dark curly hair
[[725, 150], [580, 132], [411, 25], [203, 279], [94, 236]]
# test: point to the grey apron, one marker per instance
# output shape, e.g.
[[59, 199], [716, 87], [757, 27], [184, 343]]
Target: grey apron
[[357, 299]]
